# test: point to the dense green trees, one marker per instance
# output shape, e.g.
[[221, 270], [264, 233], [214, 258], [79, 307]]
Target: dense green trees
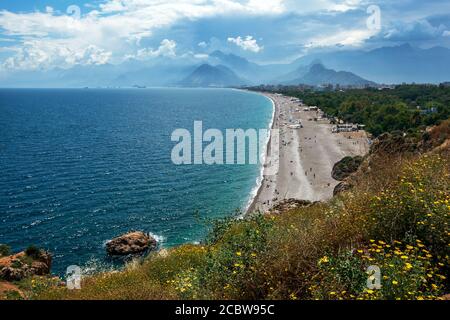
[[405, 107]]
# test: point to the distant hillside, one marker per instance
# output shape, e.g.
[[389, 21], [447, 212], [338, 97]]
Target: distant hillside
[[255, 73], [212, 76], [396, 64], [317, 75], [298, 73], [233, 61]]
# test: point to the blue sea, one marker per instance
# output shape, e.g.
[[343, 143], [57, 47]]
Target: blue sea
[[81, 166]]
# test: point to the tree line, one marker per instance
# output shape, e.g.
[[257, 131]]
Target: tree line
[[407, 108]]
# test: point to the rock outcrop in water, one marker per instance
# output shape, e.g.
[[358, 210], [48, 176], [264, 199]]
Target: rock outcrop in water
[[131, 243]]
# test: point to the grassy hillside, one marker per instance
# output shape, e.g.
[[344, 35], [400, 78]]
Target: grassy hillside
[[395, 218]]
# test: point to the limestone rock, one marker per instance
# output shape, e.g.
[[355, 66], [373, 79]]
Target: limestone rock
[[19, 266], [131, 243]]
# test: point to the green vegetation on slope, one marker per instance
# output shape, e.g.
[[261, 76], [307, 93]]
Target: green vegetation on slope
[[406, 107], [4, 250], [396, 218]]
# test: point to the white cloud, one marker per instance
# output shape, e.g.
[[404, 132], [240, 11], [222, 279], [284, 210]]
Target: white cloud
[[308, 6], [115, 27], [355, 38], [446, 33], [42, 55], [167, 48], [202, 44], [344, 6], [247, 43], [201, 56], [417, 30], [113, 6]]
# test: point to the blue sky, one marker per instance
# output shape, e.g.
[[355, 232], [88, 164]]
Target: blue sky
[[44, 34]]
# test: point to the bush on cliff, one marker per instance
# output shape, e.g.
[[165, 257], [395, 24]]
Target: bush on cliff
[[33, 252], [4, 250]]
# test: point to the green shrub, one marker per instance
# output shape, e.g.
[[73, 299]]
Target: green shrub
[[33, 252], [406, 272], [416, 206], [229, 270], [17, 264], [12, 295], [4, 250]]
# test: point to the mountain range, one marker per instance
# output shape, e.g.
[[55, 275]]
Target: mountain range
[[397, 64]]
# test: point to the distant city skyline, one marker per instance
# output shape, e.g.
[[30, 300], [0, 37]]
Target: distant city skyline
[[41, 35]]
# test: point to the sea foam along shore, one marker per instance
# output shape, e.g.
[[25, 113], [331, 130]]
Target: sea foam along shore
[[263, 156]]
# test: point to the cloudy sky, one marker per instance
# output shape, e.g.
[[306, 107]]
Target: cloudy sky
[[43, 34]]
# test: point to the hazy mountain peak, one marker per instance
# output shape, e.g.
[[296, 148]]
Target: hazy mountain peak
[[316, 61], [405, 45], [317, 74], [207, 75], [317, 67], [231, 60], [221, 54], [205, 67]]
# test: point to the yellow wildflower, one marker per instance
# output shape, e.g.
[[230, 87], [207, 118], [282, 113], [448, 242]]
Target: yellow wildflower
[[324, 259]]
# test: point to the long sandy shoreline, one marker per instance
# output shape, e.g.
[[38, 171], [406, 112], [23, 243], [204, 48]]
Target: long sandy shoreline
[[306, 156]]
